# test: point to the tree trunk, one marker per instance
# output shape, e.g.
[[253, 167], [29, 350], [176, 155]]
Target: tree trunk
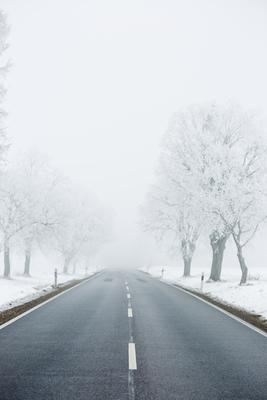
[[187, 266], [188, 247], [27, 261], [66, 266], [243, 266], [218, 245], [6, 259]]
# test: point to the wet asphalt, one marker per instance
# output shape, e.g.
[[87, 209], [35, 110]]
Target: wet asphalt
[[76, 346]]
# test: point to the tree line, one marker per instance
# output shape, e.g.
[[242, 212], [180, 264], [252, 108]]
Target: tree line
[[210, 182], [39, 206]]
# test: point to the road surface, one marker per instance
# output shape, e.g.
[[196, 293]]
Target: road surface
[[123, 335]]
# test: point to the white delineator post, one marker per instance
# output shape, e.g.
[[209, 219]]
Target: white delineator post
[[55, 275], [202, 281]]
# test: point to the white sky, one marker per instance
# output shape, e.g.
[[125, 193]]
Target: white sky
[[93, 85]]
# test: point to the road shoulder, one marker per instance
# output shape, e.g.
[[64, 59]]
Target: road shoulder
[[13, 313], [252, 320]]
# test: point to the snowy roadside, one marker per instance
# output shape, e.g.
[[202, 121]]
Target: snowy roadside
[[20, 289], [251, 297]]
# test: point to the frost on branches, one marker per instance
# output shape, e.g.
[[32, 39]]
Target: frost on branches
[[4, 66], [38, 205], [211, 180]]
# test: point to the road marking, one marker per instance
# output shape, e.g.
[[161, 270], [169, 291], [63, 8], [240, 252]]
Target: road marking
[[47, 301], [132, 356], [241, 321], [131, 350]]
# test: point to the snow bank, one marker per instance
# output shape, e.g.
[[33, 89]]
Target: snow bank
[[251, 297], [20, 289]]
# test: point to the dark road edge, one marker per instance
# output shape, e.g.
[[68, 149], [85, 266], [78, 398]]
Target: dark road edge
[[249, 319], [13, 313]]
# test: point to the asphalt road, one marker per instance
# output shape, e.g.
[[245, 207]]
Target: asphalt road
[[123, 335]]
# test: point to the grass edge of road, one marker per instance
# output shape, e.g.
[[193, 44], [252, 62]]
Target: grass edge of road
[[13, 313], [250, 319]]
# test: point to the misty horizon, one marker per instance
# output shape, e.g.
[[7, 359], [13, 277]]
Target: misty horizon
[[100, 95]]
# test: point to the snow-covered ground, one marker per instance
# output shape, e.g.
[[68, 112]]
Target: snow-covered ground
[[252, 297], [20, 289]]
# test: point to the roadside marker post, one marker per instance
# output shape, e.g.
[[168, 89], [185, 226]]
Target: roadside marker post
[[202, 281], [55, 278]]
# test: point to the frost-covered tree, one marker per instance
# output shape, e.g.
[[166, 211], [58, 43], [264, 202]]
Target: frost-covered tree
[[79, 222], [13, 214], [40, 181], [212, 142], [243, 207], [24, 212], [4, 66], [169, 213], [192, 141], [212, 173]]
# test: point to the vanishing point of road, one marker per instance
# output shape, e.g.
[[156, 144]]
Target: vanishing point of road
[[124, 335]]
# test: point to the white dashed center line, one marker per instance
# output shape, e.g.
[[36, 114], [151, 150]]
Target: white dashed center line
[[131, 348], [132, 356]]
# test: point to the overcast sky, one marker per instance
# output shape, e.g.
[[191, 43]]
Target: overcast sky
[[94, 83]]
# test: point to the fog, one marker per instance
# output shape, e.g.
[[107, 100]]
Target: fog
[[94, 84]]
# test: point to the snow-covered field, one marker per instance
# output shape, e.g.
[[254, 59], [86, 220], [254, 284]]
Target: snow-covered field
[[252, 297], [20, 289]]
